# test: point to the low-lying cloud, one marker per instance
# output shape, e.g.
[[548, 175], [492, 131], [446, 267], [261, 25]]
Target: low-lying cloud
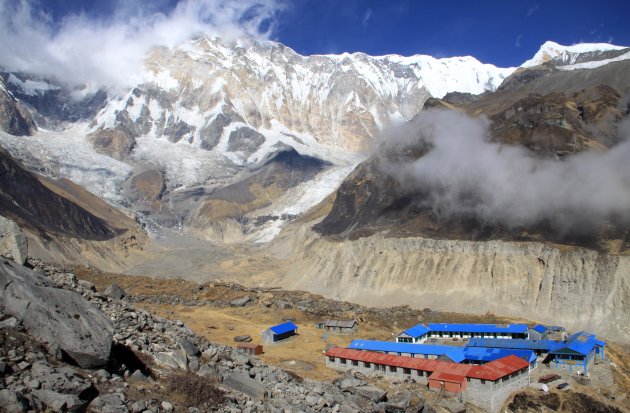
[[467, 175], [109, 51]]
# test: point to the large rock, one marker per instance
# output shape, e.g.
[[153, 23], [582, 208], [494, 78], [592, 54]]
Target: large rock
[[240, 302], [55, 316], [243, 383], [58, 402], [13, 242], [115, 291], [108, 403], [175, 359], [372, 393], [350, 382], [190, 349], [12, 401]]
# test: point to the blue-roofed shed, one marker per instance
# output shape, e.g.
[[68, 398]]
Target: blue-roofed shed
[[453, 330], [578, 351], [401, 349], [538, 346], [415, 334], [485, 355], [473, 355], [540, 328], [538, 332], [279, 332]]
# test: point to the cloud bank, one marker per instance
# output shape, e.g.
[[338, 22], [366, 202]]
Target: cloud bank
[[466, 175], [109, 51]]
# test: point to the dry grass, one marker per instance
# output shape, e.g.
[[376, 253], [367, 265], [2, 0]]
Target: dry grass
[[195, 390], [221, 325]]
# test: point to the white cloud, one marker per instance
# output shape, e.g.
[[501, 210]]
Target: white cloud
[[83, 50], [517, 43], [465, 174], [366, 17], [533, 10]]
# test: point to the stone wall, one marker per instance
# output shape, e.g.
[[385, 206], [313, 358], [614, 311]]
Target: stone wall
[[490, 395]]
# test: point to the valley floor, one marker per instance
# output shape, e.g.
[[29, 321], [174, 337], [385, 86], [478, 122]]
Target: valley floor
[[208, 310]]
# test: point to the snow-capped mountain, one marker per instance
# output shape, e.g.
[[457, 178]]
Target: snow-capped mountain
[[210, 114], [237, 98], [589, 55]]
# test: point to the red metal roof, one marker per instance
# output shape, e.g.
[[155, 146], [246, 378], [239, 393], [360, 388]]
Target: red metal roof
[[496, 369], [490, 371], [452, 378]]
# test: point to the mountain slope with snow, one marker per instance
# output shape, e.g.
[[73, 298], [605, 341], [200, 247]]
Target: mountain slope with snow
[[574, 54], [208, 113]]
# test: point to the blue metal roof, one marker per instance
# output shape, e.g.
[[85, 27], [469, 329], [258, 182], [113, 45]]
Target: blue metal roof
[[417, 331], [389, 346], [479, 328], [580, 342], [543, 345], [457, 354], [540, 328], [283, 328], [483, 354]]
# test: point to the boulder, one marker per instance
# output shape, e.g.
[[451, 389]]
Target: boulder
[[372, 393], [115, 291], [61, 380], [138, 375], [108, 403], [190, 349], [398, 402], [87, 285], [10, 322], [56, 316], [12, 401], [243, 383], [174, 359], [243, 339], [349, 382], [240, 302], [58, 402]]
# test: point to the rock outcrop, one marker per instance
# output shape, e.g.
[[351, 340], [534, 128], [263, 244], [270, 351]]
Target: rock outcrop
[[13, 243], [61, 318], [14, 118]]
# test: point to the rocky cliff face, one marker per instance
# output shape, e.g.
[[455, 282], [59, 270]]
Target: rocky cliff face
[[26, 200], [14, 118], [234, 96], [574, 287]]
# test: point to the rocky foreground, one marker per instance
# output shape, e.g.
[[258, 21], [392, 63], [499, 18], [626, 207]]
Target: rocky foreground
[[67, 347], [64, 346]]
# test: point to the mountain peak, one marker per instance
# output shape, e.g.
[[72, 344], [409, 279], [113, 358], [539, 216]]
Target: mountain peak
[[550, 50]]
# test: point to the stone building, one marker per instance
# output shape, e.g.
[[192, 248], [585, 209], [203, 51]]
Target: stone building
[[486, 385]]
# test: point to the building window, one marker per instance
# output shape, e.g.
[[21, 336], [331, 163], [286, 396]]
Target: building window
[[355, 363], [420, 373], [331, 358], [406, 371], [393, 369], [483, 382], [468, 379], [342, 361], [366, 364]]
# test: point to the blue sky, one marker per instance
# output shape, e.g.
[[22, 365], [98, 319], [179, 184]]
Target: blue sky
[[504, 33], [105, 41]]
